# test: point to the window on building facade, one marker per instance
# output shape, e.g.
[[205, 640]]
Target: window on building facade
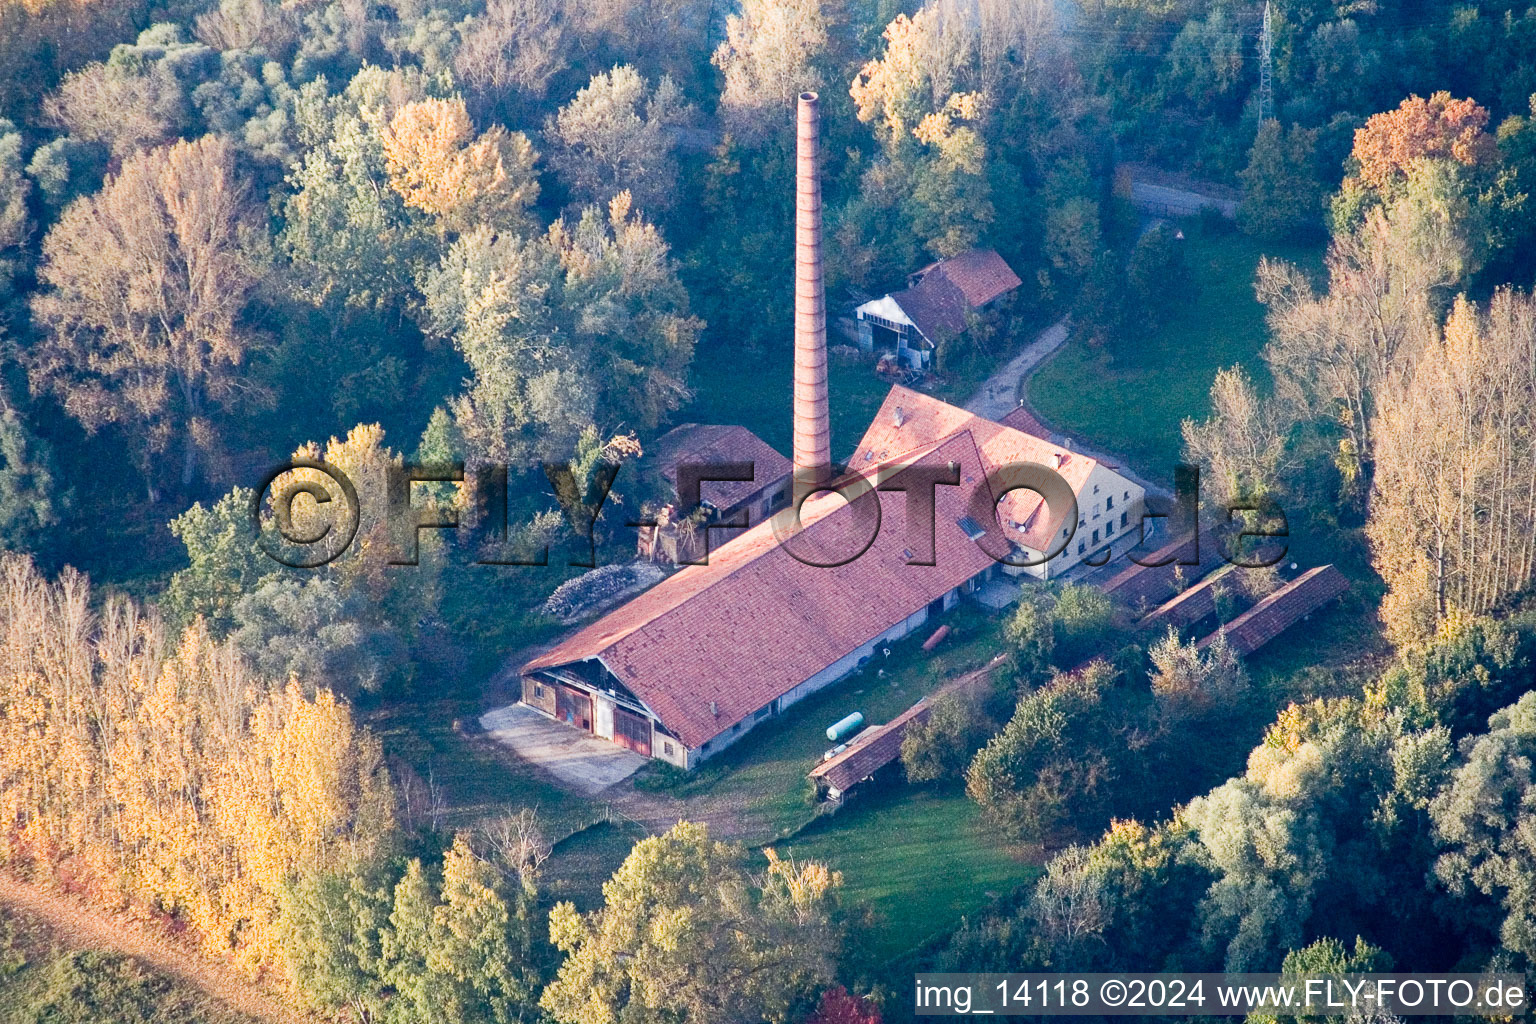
[[1095, 536], [1081, 547], [1109, 502], [1124, 518], [667, 746], [1109, 528]]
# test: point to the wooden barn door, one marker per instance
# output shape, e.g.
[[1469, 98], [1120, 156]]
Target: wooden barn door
[[573, 707], [632, 731]]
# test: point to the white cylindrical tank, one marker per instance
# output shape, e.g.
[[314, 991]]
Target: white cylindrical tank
[[845, 727]]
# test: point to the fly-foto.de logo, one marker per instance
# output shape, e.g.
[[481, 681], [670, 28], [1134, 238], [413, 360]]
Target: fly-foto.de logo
[[308, 513]]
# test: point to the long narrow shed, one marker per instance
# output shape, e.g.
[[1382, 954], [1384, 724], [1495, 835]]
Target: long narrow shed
[[1282, 609]]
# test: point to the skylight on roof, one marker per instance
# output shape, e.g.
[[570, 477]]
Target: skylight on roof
[[972, 528]]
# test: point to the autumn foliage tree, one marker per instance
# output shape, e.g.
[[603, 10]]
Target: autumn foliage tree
[[1395, 148], [147, 284], [1453, 515], [437, 164], [1438, 128], [839, 1006], [160, 770]]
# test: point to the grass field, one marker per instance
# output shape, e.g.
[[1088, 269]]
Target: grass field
[[753, 388], [581, 863], [1131, 398], [921, 859]]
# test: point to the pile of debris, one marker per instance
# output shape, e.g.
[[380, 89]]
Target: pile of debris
[[603, 587]]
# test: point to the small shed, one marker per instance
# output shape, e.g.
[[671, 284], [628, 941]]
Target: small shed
[[934, 305]]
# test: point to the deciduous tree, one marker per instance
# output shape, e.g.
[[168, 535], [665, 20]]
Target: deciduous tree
[[1486, 822], [940, 747], [1452, 514], [514, 48], [437, 164], [1242, 447], [1282, 196], [769, 56], [1045, 765], [1439, 128], [688, 932], [147, 284], [122, 108], [617, 135]]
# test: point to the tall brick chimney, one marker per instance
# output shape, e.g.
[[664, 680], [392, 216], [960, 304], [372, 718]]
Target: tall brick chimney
[[813, 448]]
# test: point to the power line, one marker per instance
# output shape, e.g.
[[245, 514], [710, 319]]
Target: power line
[[1266, 93]]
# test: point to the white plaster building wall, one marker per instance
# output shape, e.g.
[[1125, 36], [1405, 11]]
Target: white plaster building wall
[[602, 716], [1094, 513], [659, 743]]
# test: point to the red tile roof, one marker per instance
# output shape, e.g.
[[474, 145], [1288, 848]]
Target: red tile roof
[[756, 622], [1143, 586], [924, 418], [1021, 418], [1282, 609], [711, 443], [878, 746], [1187, 608], [942, 293], [871, 752]]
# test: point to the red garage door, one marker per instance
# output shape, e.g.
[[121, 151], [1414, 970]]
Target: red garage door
[[632, 731], [573, 707]]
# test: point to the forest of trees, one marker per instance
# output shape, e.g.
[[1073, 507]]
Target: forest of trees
[[520, 232]]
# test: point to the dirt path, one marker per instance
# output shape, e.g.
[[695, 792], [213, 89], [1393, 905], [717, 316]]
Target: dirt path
[[998, 394], [87, 929]]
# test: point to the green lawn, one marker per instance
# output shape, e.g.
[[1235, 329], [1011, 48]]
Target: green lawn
[[920, 858], [1131, 398], [763, 775], [581, 863]]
